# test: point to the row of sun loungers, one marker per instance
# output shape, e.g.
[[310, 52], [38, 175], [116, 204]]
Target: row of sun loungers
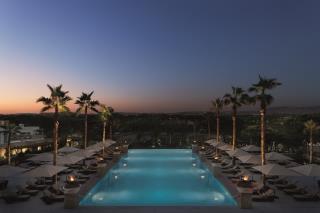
[[50, 192]]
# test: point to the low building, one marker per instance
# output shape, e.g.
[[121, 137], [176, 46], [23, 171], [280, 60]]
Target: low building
[[29, 131], [2, 136], [27, 138]]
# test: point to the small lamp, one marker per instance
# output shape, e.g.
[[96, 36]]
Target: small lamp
[[245, 178], [71, 179]]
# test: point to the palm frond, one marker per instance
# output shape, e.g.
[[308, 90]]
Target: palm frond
[[45, 108]]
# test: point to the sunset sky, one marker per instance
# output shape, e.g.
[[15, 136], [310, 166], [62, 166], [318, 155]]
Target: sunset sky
[[157, 55]]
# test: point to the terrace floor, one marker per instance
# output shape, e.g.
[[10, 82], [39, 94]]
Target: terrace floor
[[35, 205]]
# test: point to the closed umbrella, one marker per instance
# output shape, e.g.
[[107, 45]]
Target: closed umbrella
[[237, 153], [10, 171], [275, 156], [251, 148], [45, 171], [276, 169]]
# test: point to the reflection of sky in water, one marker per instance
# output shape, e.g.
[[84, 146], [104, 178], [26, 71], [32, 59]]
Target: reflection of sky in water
[[158, 177]]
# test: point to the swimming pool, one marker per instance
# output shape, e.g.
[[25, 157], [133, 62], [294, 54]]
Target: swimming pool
[[158, 177]]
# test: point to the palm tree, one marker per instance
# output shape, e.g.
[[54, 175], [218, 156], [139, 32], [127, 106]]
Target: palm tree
[[311, 127], [11, 129], [236, 99], [86, 103], [217, 106], [111, 110], [265, 100], [57, 102], [207, 117], [104, 115]]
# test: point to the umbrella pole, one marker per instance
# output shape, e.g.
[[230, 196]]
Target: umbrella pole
[[263, 179], [55, 179]]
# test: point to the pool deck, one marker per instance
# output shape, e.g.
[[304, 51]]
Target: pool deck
[[283, 204], [35, 205]]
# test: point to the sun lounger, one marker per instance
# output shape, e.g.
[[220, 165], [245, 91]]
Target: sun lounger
[[50, 198], [307, 197], [55, 189], [237, 175], [11, 197], [25, 191], [267, 196], [3, 184], [232, 170], [34, 186], [286, 186], [260, 188], [295, 191], [278, 181]]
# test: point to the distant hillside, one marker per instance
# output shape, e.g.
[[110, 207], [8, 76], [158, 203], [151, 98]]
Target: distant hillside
[[271, 110], [287, 110], [295, 110]]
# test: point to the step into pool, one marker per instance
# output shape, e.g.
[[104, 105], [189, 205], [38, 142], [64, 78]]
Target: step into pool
[[158, 177]]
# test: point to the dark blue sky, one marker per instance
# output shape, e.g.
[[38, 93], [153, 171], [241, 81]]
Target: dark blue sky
[[159, 55]]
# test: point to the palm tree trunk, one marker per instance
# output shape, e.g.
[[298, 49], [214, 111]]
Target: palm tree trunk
[[85, 127], [311, 147], [194, 131], [55, 136], [234, 129], [262, 135], [218, 127], [110, 130], [104, 132], [218, 130], [209, 130], [9, 148]]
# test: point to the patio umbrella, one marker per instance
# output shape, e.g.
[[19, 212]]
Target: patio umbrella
[[96, 147], [275, 169], [68, 149], [237, 153], [210, 142], [85, 153], [311, 170], [46, 156], [225, 147], [216, 144], [250, 159], [45, 171], [251, 148], [10, 171], [109, 142], [69, 159], [275, 156]]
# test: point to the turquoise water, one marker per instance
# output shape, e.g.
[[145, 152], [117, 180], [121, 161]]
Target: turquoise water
[[158, 177]]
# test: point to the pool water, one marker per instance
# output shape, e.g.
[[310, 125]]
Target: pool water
[[158, 177]]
